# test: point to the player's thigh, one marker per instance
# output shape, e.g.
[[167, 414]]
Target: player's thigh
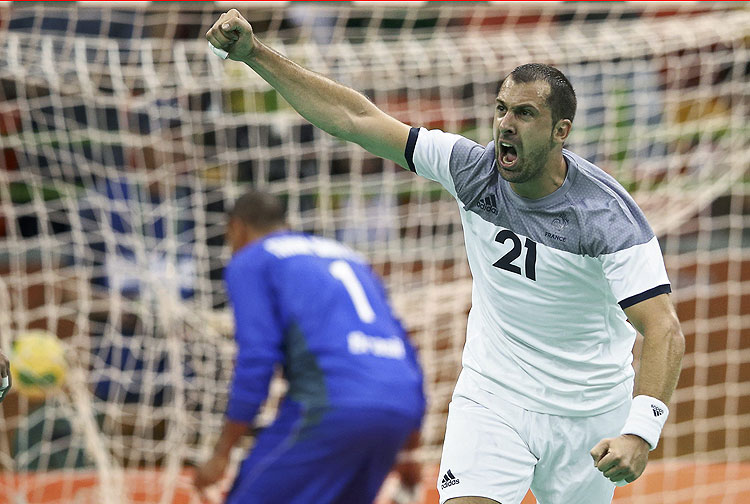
[[483, 455], [288, 481], [566, 472], [341, 453], [378, 445], [276, 451]]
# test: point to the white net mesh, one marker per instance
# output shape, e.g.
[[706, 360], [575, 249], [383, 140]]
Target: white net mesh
[[123, 140]]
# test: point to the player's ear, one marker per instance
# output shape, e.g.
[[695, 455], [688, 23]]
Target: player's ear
[[561, 130], [236, 234]]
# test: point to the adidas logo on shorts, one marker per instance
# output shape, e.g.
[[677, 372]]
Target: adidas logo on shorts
[[657, 410], [448, 480]]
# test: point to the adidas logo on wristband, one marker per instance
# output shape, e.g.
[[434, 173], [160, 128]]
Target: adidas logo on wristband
[[646, 419]]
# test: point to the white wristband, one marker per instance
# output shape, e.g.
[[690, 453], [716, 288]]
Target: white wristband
[[646, 419], [221, 53]]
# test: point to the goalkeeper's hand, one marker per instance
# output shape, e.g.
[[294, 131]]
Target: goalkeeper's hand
[[210, 473], [233, 34], [5, 379], [409, 471]]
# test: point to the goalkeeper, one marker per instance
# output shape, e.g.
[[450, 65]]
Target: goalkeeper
[[355, 395], [562, 258]]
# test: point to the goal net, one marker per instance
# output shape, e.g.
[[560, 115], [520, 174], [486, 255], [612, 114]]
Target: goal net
[[123, 140]]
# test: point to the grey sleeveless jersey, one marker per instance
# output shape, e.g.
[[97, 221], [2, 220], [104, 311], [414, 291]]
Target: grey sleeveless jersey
[[547, 330]]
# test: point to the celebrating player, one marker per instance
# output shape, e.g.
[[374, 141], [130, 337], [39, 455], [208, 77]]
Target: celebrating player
[[561, 258], [355, 395]]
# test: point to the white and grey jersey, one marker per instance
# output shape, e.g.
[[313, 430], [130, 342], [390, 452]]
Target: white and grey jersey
[[547, 330]]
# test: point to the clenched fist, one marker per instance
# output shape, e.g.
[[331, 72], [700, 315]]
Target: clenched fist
[[232, 33], [622, 458]]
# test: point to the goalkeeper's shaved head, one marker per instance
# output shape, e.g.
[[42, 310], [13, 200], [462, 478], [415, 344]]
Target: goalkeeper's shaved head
[[258, 210]]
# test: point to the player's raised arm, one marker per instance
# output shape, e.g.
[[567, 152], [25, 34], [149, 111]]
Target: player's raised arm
[[334, 108]]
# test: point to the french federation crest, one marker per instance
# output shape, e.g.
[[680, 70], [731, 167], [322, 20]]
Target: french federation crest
[[559, 223]]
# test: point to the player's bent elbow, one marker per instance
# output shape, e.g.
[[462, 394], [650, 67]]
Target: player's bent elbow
[[349, 126]]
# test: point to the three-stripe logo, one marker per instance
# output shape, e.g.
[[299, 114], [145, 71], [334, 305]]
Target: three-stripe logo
[[488, 204], [448, 480]]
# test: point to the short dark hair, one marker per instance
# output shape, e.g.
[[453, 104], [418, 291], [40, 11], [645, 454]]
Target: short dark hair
[[259, 210], [562, 98]]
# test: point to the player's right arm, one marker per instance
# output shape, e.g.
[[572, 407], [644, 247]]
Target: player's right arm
[[259, 339], [213, 470], [334, 108]]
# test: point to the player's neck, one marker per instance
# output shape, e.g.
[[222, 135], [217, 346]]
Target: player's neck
[[551, 177], [258, 234], [244, 235]]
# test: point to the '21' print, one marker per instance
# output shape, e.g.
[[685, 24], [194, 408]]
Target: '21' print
[[506, 262]]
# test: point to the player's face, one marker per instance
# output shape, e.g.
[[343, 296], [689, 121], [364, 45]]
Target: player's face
[[523, 130]]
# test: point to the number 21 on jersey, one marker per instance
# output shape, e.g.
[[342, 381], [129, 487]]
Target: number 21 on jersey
[[506, 262]]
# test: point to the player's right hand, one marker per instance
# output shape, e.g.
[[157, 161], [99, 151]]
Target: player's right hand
[[4, 376], [210, 473], [232, 33]]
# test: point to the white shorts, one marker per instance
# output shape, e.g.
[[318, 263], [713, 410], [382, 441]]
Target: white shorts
[[501, 454]]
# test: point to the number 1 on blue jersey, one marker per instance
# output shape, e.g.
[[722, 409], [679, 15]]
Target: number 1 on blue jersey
[[344, 273]]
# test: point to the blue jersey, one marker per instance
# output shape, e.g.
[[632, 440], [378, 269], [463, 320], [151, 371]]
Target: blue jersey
[[315, 307]]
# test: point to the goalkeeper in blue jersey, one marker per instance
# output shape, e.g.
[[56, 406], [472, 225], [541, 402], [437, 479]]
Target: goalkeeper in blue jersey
[[355, 395]]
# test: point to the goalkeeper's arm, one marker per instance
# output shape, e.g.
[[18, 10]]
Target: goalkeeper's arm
[[336, 109], [213, 470]]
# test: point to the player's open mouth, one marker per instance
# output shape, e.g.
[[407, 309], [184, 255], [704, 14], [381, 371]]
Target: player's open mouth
[[508, 155]]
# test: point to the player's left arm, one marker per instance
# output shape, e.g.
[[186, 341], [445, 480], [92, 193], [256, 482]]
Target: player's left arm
[[663, 346], [214, 469], [625, 457]]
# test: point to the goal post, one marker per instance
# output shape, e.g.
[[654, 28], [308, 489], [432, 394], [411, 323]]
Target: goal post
[[123, 141]]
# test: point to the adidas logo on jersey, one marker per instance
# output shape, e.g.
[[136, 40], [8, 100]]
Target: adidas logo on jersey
[[657, 410], [448, 480], [488, 204]]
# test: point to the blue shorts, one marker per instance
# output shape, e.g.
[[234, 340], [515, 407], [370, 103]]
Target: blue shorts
[[336, 456]]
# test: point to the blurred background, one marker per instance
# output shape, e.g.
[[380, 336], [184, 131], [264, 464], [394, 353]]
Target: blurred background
[[123, 140]]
